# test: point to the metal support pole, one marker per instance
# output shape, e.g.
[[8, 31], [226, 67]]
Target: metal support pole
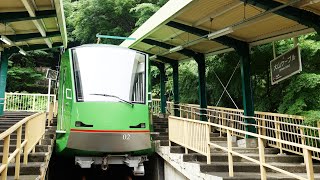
[[162, 89], [49, 89], [247, 92], [176, 98], [200, 59], [3, 79]]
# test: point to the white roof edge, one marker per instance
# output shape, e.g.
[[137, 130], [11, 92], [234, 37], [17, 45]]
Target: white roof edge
[[61, 21], [167, 12]]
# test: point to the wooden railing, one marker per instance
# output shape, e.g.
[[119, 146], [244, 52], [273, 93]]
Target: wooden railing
[[278, 126], [34, 127], [27, 102], [195, 135]]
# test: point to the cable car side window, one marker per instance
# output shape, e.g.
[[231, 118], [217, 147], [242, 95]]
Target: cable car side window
[[77, 77], [138, 85]]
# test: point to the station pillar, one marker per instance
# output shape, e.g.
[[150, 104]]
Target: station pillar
[[200, 59], [247, 92], [163, 103], [175, 77], [3, 79]]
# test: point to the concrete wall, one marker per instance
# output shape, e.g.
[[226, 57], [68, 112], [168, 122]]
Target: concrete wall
[[170, 173]]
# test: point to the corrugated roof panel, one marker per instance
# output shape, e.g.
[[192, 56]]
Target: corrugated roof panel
[[164, 33], [44, 4], [11, 6], [201, 9], [176, 56], [183, 39], [50, 23], [206, 46], [23, 27], [56, 39], [232, 17], [143, 46], [157, 50], [271, 24]]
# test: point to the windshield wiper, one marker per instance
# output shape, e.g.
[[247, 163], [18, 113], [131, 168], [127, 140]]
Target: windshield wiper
[[109, 95]]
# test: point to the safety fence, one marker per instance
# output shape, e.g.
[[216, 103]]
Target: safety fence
[[282, 127], [34, 128], [195, 135], [27, 102]]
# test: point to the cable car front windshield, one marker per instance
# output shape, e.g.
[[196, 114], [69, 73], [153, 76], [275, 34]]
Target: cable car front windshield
[[117, 74]]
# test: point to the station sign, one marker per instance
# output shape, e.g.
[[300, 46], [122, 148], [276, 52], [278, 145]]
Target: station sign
[[286, 65], [52, 74]]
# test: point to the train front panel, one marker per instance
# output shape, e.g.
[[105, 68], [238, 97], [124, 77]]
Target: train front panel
[[106, 109]]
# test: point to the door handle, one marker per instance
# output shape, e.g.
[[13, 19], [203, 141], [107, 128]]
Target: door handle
[[81, 124], [141, 125]]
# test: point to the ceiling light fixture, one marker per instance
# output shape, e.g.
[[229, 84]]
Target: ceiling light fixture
[[220, 33], [175, 49], [6, 40], [22, 52]]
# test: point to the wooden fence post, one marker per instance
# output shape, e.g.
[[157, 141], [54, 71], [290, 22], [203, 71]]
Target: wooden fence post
[[263, 171], [208, 131], [5, 157], [307, 157], [17, 166], [278, 133], [230, 158]]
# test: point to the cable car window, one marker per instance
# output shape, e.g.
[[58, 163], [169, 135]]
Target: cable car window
[[107, 73]]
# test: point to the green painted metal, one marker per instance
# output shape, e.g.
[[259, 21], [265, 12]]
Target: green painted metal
[[9, 17], [185, 52], [176, 97], [34, 47], [301, 16], [247, 92], [111, 116], [200, 59], [3, 79], [114, 37], [30, 36], [225, 40], [162, 88]]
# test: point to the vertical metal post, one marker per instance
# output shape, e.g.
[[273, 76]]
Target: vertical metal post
[[49, 89], [162, 89], [3, 79], [176, 98], [247, 92], [200, 59]]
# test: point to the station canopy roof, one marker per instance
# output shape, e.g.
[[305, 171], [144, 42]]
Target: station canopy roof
[[32, 24], [184, 27]]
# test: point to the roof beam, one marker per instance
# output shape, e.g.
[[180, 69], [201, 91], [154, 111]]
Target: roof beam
[[58, 4], [9, 17], [34, 47], [301, 16], [32, 13], [225, 40], [30, 36], [185, 52]]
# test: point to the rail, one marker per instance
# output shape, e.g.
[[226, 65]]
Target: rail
[[34, 127], [27, 102], [195, 135], [282, 127]]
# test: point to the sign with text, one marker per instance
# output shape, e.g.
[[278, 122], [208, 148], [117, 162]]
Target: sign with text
[[51, 74], [285, 65]]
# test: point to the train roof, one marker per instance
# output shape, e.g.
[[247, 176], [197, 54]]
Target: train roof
[[106, 45]]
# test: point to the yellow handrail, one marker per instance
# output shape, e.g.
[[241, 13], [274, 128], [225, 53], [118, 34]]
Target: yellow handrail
[[34, 131]]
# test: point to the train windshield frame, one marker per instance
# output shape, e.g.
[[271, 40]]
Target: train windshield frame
[[113, 71]]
